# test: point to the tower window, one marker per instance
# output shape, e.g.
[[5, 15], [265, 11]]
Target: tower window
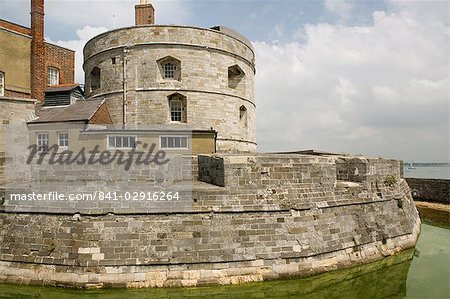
[[2, 84], [169, 71], [176, 110], [235, 76], [169, 68], [243, 116], [95, 78], [53, 76]]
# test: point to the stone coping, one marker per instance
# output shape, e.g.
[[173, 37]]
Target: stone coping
[[168, 26]]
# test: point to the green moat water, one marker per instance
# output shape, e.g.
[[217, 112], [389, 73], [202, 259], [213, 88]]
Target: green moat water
[[427, 275]]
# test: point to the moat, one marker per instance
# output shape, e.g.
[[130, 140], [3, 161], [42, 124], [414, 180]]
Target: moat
[[425, 276]]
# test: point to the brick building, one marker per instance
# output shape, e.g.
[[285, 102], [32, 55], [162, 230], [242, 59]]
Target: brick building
[[29, 64]]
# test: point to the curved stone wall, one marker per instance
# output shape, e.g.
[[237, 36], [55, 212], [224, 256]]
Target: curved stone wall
[[277, 216], [204, 57]]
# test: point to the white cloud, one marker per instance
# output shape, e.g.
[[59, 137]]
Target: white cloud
[[342, 8], [84, 35], [381, 89], [79, 13], [95, 13], [95, 17], [435, 11]]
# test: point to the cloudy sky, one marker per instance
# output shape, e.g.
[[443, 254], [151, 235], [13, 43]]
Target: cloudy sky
[[363, 77]]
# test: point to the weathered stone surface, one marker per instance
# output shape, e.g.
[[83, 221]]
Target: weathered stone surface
[[277, 216]]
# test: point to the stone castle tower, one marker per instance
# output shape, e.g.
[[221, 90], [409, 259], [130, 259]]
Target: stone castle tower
[[160, 74]]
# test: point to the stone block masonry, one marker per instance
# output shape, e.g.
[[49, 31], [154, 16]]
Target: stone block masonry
[[13, 112], [259, 217]]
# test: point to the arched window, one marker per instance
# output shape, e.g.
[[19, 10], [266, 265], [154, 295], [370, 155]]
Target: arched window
[[169, 71], [243, 116], [95, 79], [177, 108]]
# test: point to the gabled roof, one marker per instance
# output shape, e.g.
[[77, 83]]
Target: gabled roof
[[82, 110]]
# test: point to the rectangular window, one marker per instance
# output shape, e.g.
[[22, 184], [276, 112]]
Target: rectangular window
[[63, 139], [174, 142], [53, 76], [42, 142], [169, 70], [2, 84], [121, 142], [176, 109]]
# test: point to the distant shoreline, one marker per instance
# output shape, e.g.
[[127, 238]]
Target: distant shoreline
[[426, 164]]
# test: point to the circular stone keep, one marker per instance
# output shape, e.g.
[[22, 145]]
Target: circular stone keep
[[207, 74]]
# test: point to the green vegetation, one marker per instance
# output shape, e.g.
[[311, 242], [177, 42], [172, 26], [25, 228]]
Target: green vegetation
[[390, 180]]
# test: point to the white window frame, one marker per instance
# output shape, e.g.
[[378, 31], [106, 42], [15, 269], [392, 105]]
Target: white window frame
[[169, 70], [2, 84], [42, 142], [51, 71], [122, 137], [173, 148], [179, 105], [66, 140]]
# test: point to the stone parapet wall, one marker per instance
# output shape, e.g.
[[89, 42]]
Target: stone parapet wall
[[298, 181], [168, 34], [434, 190]]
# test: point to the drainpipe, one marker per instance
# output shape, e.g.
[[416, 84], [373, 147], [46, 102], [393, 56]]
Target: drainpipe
[[124, 76]]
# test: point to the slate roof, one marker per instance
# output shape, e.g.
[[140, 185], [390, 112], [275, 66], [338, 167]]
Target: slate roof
[[62, 87], [79, 111]]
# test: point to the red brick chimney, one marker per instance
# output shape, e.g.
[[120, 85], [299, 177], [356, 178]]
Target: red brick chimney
[[37, 50], [144, 13]]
